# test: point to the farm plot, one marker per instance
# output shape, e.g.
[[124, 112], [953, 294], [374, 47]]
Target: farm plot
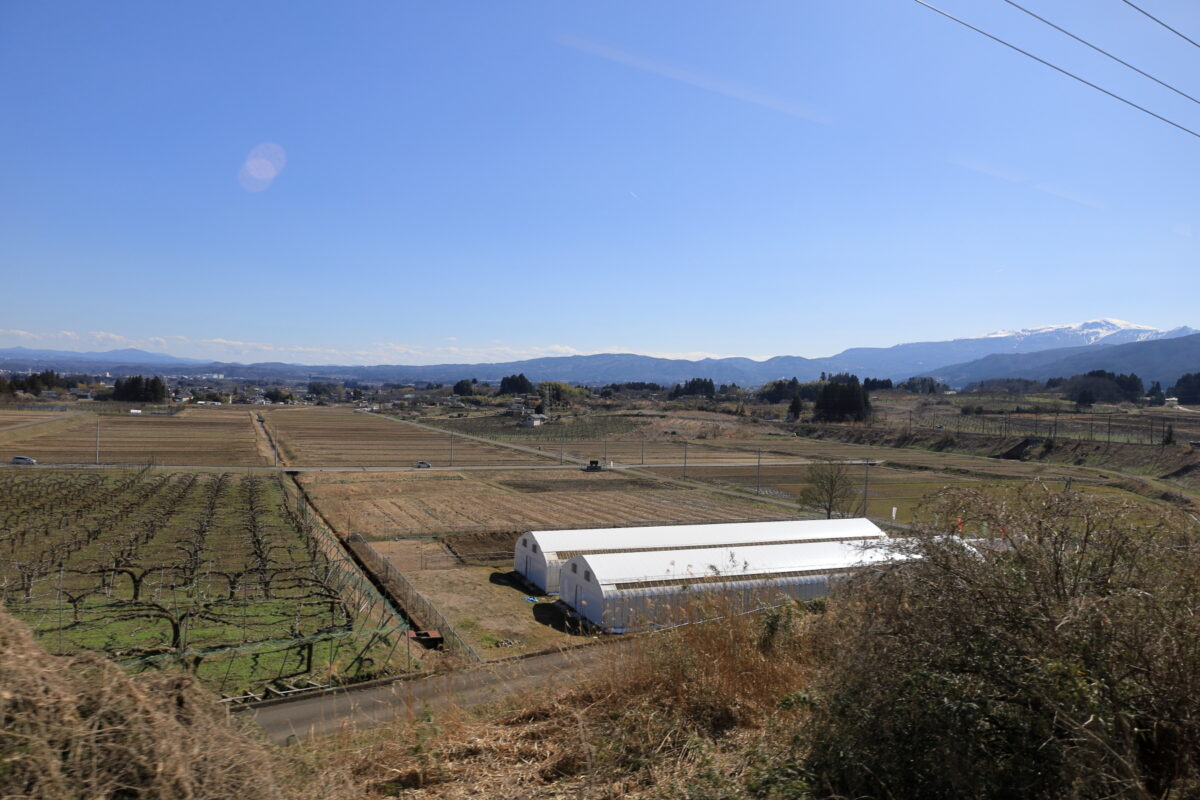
[[12, 419], [487, 605], [340, 437], [196, 437], [506, 427], [210, 571], [623, 439], [382, 505], [886, 488], [956, 463]]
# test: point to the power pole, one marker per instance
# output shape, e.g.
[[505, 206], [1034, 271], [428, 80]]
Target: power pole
[[758, 475], [451, 435], [866, 485], [97, 440], [685, 459]]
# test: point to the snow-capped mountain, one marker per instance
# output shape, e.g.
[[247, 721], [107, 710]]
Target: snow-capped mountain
[[924, 358], [1078, 334]]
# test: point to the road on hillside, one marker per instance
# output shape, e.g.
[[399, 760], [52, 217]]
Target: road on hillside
[[289, 721]]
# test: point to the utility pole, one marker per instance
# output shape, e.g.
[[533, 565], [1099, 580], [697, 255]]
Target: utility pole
[[451, 435], [866, 485], [685, 459], [643, 449], [758, 475], [97, 440]]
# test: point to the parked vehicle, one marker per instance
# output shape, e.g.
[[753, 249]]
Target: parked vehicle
[[423, 465], [23, 460]]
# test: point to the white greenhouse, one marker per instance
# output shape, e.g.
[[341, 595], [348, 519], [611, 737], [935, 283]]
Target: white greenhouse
[[622, 592], [540, 555]]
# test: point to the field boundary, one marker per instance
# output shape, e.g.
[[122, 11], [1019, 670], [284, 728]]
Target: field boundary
[[415, 604]]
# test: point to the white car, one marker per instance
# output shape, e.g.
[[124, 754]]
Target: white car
[[24, 460]]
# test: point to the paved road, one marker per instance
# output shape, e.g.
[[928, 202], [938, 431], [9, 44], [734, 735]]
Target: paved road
[[468, 468], [309, 717]]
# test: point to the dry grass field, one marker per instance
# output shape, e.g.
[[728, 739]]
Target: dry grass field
[[18, 417], [634, 439], [484, 603], [886, 487], [343, 437], [386, 505], [195, 437], [948, 462]]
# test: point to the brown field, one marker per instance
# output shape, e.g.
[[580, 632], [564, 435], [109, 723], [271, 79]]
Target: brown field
[[886, 487], [632, 439], [195, 437], [977, 466], [342, 437], [385, 505], [12, 419], [637, 451]]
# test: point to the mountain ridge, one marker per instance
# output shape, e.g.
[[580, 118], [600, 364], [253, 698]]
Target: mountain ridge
[[948, 360]]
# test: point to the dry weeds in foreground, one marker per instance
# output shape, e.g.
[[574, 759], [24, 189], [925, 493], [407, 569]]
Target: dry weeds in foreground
[[667, 716], [81, 728]]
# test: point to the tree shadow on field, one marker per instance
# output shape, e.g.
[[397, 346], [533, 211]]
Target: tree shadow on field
[[513, 580], [554, 615], [550, 613]]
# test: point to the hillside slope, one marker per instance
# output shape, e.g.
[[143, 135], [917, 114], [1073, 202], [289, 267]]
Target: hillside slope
[[1162, 360]]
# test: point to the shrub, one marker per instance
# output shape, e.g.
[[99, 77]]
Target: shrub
[[1061, 660]]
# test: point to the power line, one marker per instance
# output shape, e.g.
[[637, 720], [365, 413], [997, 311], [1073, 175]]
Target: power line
[[1104, 52], [1043, 61], [1160, 22]]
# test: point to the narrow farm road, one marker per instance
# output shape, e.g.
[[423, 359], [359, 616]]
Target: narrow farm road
[[291, 720]]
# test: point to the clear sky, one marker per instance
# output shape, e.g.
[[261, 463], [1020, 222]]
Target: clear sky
[[415, 182]]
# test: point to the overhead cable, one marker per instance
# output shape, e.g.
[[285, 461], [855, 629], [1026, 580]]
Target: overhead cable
[[1143, 73], [1160, 22], [1043, 61]]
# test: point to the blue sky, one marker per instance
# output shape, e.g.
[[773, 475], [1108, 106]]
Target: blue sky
[[404, 182]]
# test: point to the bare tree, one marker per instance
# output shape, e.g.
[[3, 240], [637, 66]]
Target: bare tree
[[830, 489]]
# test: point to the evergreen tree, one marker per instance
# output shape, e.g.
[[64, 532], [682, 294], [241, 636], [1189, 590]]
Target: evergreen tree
[[515, 384], [1187, 388], [696, 386], [841, 398], [796, 408]]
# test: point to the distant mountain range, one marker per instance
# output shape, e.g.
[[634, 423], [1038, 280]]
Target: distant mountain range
[[128, 355], [1032, 352]]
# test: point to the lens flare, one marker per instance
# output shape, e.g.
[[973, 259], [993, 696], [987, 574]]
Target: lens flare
[[262, 166]]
